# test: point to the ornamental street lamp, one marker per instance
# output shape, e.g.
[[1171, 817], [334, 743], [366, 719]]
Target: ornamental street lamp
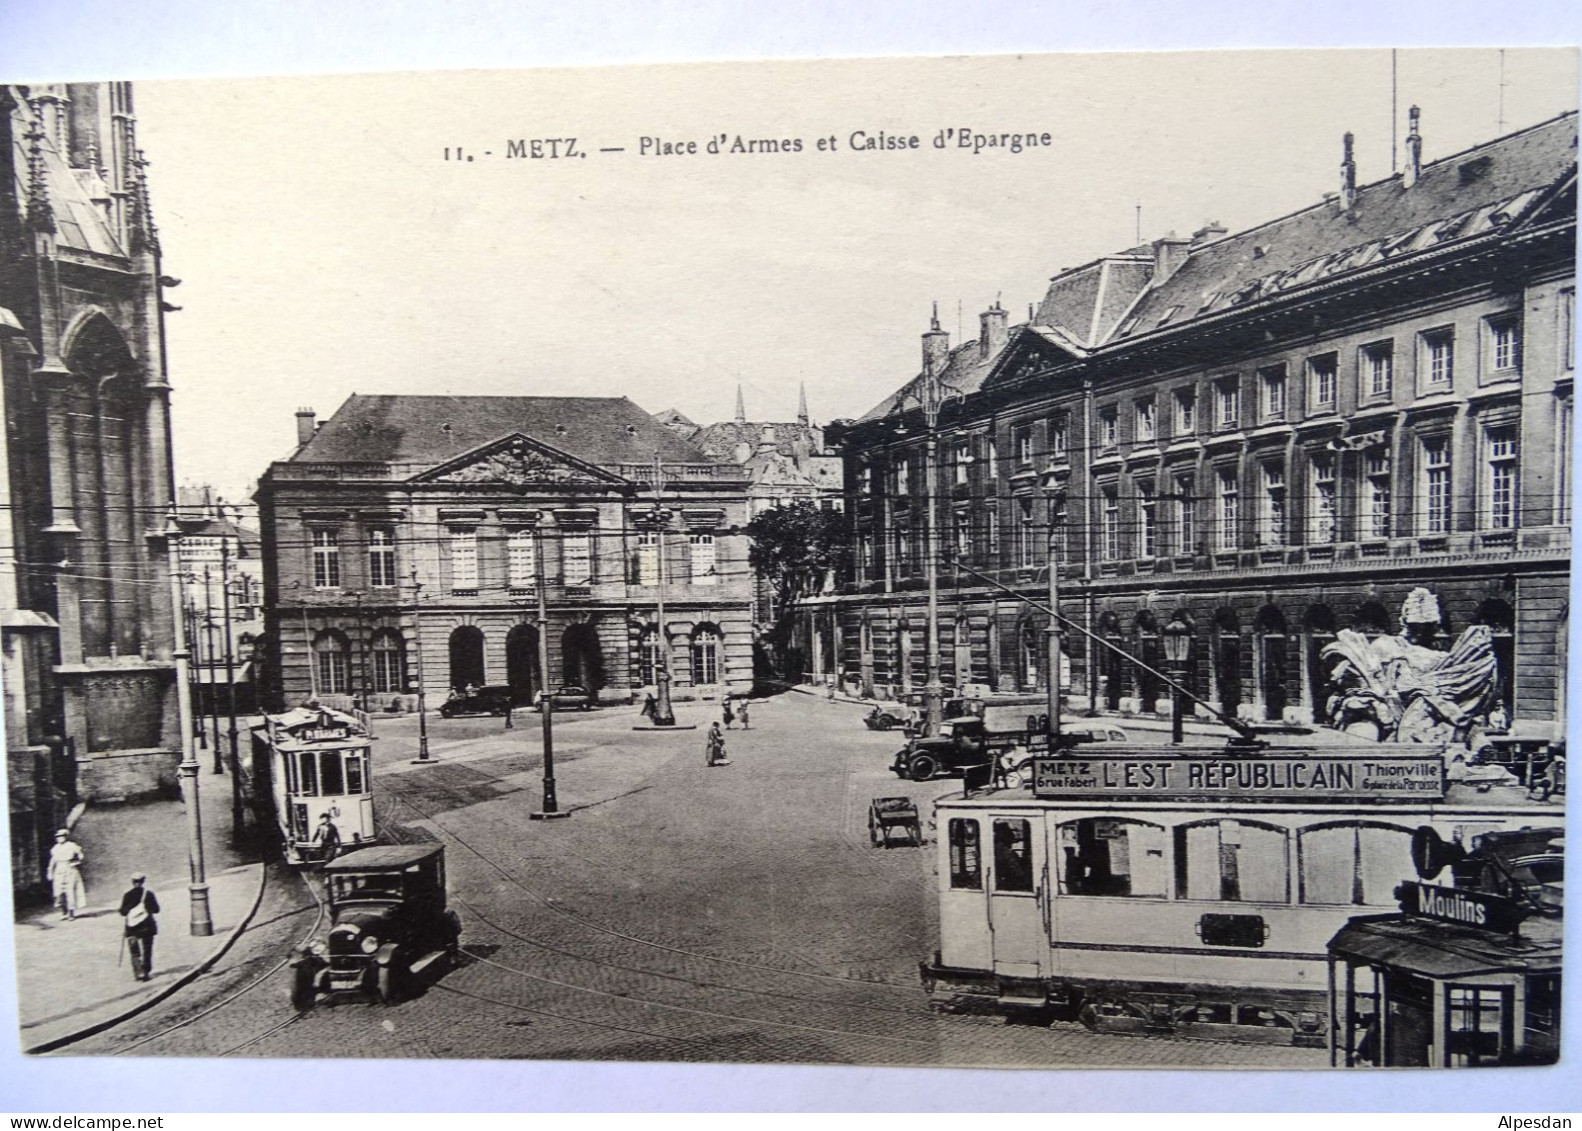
[[1177, 642], [550, 810], [1054, 486], [656, 521], [422, 758], [202, 923]]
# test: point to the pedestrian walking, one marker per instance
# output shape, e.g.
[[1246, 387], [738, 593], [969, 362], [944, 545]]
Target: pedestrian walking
[[65, 874], [138, 908], [729, 715], [741, 713], [715, 749]]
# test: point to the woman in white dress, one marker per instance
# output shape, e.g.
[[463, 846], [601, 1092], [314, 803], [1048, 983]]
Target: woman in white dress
[[65, 875]]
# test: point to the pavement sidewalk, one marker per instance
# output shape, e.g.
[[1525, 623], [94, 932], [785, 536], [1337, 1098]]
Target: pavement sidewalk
[[73, 974]]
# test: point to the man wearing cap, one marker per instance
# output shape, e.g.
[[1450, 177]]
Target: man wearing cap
[[65, 874], [138, 908]]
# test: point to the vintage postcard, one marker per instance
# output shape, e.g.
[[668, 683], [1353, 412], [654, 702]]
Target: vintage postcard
[[1041, 561]]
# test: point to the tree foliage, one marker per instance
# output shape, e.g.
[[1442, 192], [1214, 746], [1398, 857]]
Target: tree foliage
[[795, 547]]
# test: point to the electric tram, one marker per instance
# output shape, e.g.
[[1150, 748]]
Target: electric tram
[[1151, 890], [312, 763]]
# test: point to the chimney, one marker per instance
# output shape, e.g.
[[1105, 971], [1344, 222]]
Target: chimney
[[1169, 253], [1212, 230], [936, 346], [992, 330], [1348, 176], [1414, 149], [306, 425]]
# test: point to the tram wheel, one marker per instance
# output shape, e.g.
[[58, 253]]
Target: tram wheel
[[923, 767]]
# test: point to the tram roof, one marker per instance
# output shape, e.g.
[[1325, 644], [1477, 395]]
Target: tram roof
[[1447, 950], [383, 856]]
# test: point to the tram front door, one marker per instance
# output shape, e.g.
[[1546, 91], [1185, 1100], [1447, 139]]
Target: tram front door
[[1016, 922]]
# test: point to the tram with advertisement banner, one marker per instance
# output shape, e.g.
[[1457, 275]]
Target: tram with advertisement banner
[[312, 779], [1193, 892]]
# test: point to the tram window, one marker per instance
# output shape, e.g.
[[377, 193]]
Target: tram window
[[1013, 856], [1112, 856], [354, 772], [1231, 860], [1543, 1004], [330, 775], [1353, 862], [308, 779], [1477, 1019], [966, 866]]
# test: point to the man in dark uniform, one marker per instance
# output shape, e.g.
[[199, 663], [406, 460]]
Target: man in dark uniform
[[138, 908]]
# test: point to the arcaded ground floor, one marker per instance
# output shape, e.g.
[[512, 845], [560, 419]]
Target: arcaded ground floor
[[1256, 644]]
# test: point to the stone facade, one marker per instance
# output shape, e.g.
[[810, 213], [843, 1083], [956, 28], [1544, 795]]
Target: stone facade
[[484, 503], [1273, 435], [85, 594]]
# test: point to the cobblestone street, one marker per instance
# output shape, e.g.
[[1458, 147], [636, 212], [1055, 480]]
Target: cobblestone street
[[681, 913]]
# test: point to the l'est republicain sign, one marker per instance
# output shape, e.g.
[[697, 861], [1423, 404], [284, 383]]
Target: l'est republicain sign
[[1275, 777]]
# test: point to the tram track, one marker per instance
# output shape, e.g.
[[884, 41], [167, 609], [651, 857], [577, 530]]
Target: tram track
[[405, 796], [799, 1001]]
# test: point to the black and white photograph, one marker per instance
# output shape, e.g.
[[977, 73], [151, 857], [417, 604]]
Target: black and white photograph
[[1051, 561]]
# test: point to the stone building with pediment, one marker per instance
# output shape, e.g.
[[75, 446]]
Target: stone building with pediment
[[410, 538]]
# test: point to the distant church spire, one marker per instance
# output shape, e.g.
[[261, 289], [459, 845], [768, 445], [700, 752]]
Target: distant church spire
[[801, 404], [741, 408]]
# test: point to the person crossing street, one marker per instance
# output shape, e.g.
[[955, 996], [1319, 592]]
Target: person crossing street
[[65, 875], [714, 749]]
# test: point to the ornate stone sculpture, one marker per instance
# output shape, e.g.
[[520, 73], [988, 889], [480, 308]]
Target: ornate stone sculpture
[[1402, 691], [518, 463]]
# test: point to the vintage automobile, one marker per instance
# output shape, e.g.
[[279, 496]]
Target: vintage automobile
[[387, 916], [572, 697], [965, 742], [493, 700]]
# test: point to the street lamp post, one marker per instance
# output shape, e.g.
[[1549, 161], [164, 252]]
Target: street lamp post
[[932, 402], [658, 521], [546, 701], [1054, 487], [208, 664], [1178, 641], [230, 685], [417, 644], [198, 886]]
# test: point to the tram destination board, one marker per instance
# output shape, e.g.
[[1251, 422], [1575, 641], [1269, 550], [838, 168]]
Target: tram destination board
[[1398, 777]]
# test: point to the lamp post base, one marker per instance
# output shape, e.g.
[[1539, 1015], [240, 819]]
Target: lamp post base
[[202, 921], [540, 815]]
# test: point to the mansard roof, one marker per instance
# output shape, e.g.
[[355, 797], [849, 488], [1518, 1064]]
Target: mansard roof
[[599, 431], [1487, 188], [965, 370]]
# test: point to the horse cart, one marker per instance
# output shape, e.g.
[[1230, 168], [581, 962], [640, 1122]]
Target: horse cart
[[893, 815]]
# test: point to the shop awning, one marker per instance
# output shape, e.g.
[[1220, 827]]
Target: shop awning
[[1440, 950]]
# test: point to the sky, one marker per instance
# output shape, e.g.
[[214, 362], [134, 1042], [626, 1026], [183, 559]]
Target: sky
[[326, 246]]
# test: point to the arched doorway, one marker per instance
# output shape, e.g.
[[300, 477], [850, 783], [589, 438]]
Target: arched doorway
[[521, 663], [1149, 687], [1030, 657], [466, 657], [582, 658], [1319, 632], [1269, 626], [1501, 619], [1112, 664], [1227, 660]]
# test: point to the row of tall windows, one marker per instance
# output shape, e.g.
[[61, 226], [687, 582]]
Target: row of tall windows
[[385, 659]]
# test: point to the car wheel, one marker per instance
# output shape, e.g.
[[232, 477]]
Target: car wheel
[[392, 978], [924, 767], [302, 991]]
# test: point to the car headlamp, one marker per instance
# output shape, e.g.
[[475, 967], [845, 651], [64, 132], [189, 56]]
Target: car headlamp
[[369, 944]]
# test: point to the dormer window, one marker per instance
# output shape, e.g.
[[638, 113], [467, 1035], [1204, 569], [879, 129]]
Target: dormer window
[[1169, 314]]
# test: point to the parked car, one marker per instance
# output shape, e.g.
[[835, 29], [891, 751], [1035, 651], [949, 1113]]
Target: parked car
[[572, 697], [965, 742], [494, 700], [387, 915]]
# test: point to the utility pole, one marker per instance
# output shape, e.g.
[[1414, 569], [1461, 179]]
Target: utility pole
[[417, 643], [189, 613], [546, 702], [208, 663], [932, 403], [230, 686], [202, 923]]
